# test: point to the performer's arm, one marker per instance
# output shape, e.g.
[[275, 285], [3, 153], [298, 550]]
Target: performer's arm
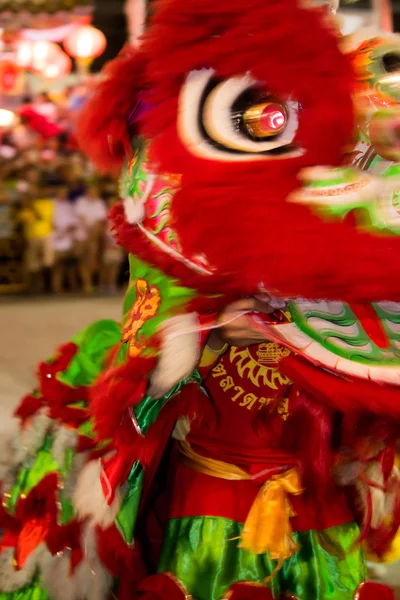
[[234, 330]]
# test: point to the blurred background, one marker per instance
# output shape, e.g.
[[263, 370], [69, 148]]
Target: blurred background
[[60, 268]]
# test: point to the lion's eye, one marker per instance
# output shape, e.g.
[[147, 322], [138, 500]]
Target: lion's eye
[[391, 62], [265, 120], [236, 119]]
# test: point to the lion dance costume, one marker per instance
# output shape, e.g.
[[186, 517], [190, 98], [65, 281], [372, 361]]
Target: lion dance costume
[[149, 466]]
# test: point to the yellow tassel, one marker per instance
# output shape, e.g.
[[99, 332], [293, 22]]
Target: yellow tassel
[[267, 527]]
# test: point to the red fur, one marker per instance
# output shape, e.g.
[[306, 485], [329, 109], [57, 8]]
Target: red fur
[[249, 238], [346, 395], [116, 390], [191, 35], [68, 536], [29, 405], [102, 124], [121, 560]]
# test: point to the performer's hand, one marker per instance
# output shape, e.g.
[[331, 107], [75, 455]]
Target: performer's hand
[[235, 328]]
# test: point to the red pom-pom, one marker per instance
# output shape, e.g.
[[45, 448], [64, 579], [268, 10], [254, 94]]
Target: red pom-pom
[[162, 587], [245, 590], [373, 591]]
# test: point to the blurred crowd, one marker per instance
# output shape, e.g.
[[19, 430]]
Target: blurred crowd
[[58, 202]]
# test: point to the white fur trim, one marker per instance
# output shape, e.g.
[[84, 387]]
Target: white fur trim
[[64, 438], [180, 353], [90, 580], [71, 478], [8, 469], [12, 579], [31, 437], [378, 496], [134, 211], [382, 502], [89, 499]]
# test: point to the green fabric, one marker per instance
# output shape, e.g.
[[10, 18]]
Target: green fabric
[[93, 343], [146, 414], [203, 554], [126, 518], [29, 477], [29, 592], [148, 410], [173, 296]]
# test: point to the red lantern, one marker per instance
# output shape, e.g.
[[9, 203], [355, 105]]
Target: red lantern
[[85, 43]]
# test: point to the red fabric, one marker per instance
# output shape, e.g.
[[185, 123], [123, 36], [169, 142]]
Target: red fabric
[[248, 591], [244, 385], [123, 562], [161, 587], [233, 500], [349, 394]]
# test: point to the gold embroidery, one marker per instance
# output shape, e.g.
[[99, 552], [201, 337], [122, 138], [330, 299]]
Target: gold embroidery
[[283, 408], [219, 370], [146, 306], [246, 362], [227, 383], [248, 401], [260, 371], [264, 402], [240, 392], [271, 353]]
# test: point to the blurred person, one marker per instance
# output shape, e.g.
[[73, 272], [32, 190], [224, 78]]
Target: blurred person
[[64, 229], [73, 173], [51, 150], [37, 217], [92, 214], [77, 97], [22, 136], [45, 107], [29, 180], [113, 256]]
